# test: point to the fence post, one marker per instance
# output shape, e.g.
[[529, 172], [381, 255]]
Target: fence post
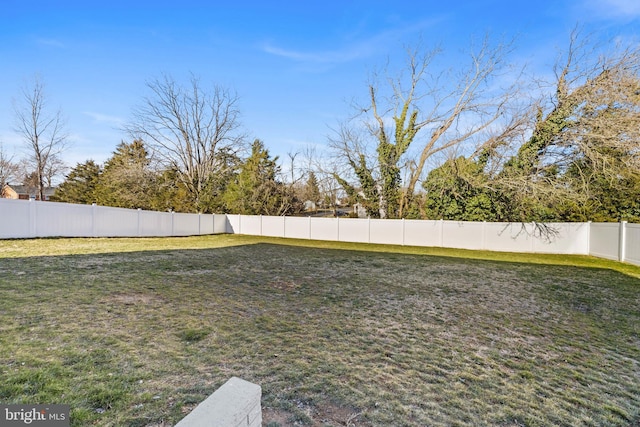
[[533, 237], [32, 218], [139, 222], [172, 224], [483, 243], [403, 231], [94, 225], [622, 241]]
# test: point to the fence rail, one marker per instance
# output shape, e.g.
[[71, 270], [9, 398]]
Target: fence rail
[[30, 219]]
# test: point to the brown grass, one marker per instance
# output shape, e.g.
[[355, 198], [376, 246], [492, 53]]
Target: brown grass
[[334, 336]]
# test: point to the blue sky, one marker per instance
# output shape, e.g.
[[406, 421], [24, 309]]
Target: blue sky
[[294, 64]]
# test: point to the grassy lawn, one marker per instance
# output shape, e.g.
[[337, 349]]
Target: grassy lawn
[[136, 332]]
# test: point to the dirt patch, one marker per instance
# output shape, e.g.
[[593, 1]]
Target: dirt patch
[[134, 299], [322, 415], [276, 417], [330, 414], [283, 285], [192, 272]]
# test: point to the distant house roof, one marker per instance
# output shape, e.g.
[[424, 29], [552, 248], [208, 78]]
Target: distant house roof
[[24, 192]]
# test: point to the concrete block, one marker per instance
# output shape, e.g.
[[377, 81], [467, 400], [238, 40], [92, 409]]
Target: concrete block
[[235, 404]]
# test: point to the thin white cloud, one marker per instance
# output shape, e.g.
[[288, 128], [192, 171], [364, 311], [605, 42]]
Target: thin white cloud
[[50, 42], [350, 52], [619, 9], [105, 118], [327, 57]]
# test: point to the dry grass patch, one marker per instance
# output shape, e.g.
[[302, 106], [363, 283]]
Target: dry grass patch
[[335, 337]]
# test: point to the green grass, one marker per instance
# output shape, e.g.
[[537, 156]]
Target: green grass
[[136, 332]]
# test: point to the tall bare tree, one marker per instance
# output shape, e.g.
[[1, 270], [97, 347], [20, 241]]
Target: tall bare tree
[[586, 133], [578, 158], [192, 130], [43, 133], [452, 108]]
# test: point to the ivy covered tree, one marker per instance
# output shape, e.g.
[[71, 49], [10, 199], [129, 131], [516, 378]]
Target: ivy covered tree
[[583, 147], [579, 160], [411, 118], [459, 190]]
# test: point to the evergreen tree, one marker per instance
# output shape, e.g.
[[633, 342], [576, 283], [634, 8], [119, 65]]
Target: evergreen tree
[[127, 180], [312, 189], [255, 190], [80, 184]]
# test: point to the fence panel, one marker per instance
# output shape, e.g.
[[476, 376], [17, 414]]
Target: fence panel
[[297, 227], [185, 224], [462, 235], [564, 238], [604, 240], [115, 222], [153, 224], [507, 237], [251, 225], [354, 230], [632, 244], [325, 229], [423, 233], [206, 224], [234, 224], [63, 219], [15, 219], [221, 224], [387, 231], [272, 226]]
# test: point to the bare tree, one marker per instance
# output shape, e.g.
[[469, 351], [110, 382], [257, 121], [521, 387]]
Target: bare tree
[[8, 169], [43, 134], [452, 109], [190, 129], [586, 131]]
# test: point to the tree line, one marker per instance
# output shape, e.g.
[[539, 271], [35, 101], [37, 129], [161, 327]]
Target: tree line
[[186, 155], [481, 141], [516, 151], [130, 178]]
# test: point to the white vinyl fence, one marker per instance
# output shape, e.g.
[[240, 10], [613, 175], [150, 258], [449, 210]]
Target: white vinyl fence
[[567, 238], [29, 219], [617, 241]]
